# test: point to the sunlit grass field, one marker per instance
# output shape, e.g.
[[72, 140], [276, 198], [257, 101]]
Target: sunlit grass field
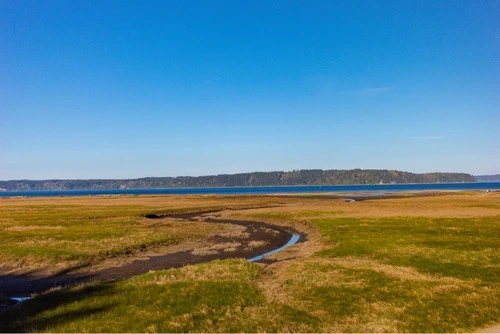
[[59, 233], [408, 264]]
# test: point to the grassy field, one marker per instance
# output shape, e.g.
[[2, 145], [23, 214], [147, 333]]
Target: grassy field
[[409, 264], [48, 235]]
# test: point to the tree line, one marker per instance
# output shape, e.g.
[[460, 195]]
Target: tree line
[[290, 178]]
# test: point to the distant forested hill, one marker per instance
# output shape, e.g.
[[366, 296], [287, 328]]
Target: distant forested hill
[[298, 177], [488, 178]]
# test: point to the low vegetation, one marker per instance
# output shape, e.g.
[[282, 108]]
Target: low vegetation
[[60, 233], [408, 264]]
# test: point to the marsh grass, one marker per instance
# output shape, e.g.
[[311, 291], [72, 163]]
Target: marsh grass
[[178, 300], [431, 274], [61, 233], [426, 264], [45, 234], [461, 247]]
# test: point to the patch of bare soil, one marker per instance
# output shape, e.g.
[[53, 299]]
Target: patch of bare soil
[[252, 238], [492, 329]]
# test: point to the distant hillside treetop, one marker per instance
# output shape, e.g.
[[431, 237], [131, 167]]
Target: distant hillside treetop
[[488, 178]]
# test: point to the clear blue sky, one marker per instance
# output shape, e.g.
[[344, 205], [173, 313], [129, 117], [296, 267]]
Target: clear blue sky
[[121, 89]]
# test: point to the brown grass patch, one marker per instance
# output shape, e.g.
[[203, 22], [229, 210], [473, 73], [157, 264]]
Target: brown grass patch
[[398, 272], [217, 248], [213, 271], [257, 243], [444, 205]]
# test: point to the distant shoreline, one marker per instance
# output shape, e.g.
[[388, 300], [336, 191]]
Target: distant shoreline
[[379, 189]]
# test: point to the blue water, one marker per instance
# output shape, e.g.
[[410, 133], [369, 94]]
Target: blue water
[[20, 299], [373, 188], [293, 240]]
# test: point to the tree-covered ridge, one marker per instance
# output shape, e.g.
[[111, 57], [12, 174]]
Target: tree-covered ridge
[[488, 178], [296, 177]]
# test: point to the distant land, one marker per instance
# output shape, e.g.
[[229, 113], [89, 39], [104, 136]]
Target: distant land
[[291, 178], [488, 178]]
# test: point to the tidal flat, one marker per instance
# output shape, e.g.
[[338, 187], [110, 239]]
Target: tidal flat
[[410, 263]]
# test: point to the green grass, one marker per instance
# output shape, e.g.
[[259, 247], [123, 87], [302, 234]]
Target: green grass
[[221, 296], [41, 233], [456, 285], [171, 301], [374, 274], [464, 248], [47, 234]]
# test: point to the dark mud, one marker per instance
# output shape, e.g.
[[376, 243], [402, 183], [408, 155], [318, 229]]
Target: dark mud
[[272, 237]]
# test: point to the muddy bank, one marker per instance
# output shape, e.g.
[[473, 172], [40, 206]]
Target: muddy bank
[[256, 238]]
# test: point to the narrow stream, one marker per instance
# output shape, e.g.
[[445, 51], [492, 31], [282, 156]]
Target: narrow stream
[[293, 240], [19, 288]]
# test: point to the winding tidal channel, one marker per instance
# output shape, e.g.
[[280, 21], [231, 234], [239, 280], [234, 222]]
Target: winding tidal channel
[[258, 240]]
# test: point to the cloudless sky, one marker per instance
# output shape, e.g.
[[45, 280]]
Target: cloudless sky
[[125, 89]]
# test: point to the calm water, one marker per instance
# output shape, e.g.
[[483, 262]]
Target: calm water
[[293, 240], [374, 188]]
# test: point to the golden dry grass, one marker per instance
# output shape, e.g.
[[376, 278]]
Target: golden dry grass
[[439, 205]]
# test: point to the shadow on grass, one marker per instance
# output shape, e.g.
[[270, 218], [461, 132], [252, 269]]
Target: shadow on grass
[[29, 316], [13, 285]]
